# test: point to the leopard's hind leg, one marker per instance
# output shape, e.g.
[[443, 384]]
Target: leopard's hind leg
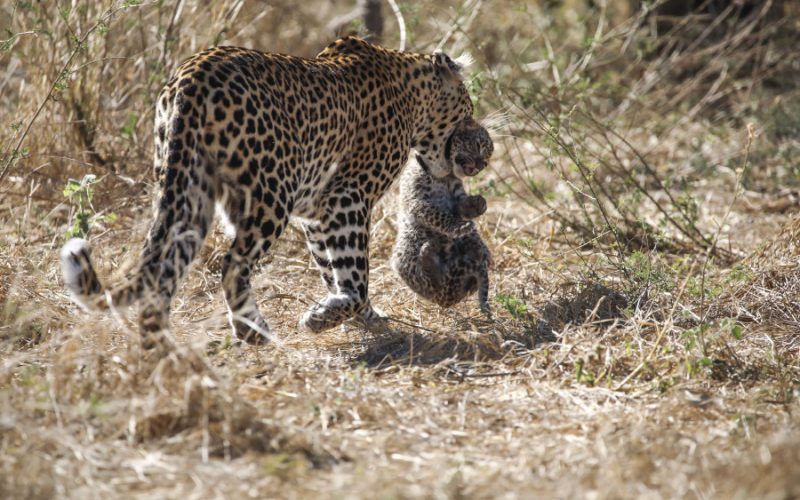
[[258, 222], [184, 213]]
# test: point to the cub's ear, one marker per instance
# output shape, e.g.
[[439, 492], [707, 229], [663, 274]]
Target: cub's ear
[[446, 65]]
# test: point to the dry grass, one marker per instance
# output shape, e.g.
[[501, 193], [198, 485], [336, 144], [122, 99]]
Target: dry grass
[[628, 357]]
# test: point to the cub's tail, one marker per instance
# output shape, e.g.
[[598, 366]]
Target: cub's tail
[[84, 285]]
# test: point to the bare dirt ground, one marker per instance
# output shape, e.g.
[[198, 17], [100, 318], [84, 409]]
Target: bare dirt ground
[[621, 362]]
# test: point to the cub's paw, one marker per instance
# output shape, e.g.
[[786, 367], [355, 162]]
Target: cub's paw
[[472, 206]]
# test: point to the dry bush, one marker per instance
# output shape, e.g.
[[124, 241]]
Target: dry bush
[[608, 114]]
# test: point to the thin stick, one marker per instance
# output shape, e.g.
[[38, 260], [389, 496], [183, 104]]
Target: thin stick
[[176, 12], [401, 23], [736, 193]]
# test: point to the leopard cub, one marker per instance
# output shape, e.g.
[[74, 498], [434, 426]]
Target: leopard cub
[[438, 252]]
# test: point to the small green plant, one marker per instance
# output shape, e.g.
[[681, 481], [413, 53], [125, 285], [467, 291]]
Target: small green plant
[[475, 86], [61, 84], [738, 274], [129, 129], [16, 154], [695, 335], [582, 374], [729, 325], [80, 193], [493, 189], [515, 307], [357, 26], [646, 271], [5, 45]]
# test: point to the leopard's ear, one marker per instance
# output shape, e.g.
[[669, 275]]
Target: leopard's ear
[[447, 66]]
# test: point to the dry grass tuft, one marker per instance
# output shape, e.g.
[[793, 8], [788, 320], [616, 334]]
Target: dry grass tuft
[[768, 297], [589, 302]]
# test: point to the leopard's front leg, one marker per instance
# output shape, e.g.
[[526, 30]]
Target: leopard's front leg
[[315, 241], [345, 234]]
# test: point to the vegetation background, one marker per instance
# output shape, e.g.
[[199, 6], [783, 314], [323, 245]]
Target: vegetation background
[[643, 200]]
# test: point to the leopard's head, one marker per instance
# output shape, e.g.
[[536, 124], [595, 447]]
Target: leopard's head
[[450, 105]]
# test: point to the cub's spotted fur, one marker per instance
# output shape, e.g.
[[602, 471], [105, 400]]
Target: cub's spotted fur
[[269, 136], [439, 253]]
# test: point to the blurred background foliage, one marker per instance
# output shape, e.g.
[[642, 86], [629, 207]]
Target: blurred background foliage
[[609, 113]]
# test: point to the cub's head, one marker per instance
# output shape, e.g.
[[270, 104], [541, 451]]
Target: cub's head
[[449, 105], [468, 148]]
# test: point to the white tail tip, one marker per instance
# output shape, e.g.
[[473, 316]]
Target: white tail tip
[[72, 255]]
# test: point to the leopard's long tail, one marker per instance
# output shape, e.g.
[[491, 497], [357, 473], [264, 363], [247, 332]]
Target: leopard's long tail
[[84, 285], [183, 215]]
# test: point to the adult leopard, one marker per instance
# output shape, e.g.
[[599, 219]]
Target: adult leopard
[[266, 137]]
